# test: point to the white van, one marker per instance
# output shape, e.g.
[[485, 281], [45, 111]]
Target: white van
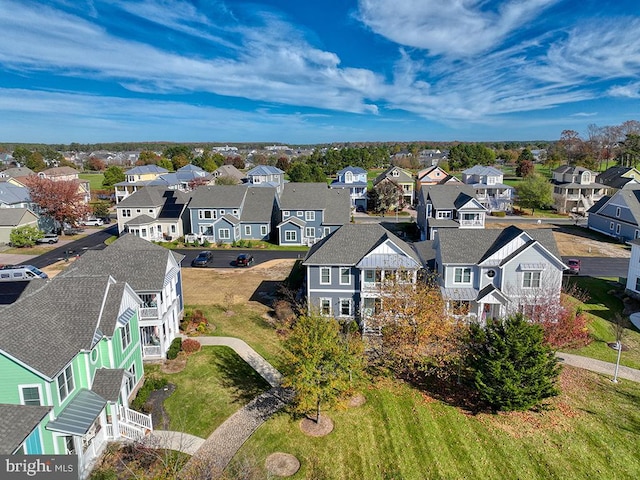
[[16, 273]]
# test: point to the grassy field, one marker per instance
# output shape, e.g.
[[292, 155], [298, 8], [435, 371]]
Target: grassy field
[[592, 431], [602, 308], [95, 180], [215, 383]]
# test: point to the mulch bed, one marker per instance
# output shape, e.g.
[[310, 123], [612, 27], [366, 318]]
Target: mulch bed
[[323, 427], [174, 366], [282, 464], [155, 403], [357, 401]]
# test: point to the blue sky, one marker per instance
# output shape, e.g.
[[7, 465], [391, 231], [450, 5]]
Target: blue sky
[[302, 71]]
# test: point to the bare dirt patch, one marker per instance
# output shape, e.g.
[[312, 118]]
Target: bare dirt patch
[[324, 426], [174, 366], [570, 244], [226, 286], [282, 464], [357, 401]]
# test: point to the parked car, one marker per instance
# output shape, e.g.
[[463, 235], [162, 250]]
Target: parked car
[[48, 238], [574, 266], [244, 260], [203, 259], [93, 222], [72, 230], [12, 273], [360, 209]]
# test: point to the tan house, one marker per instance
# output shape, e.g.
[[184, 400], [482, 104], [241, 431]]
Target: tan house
[[11, 218], [434, 176], [61, 174], [137, 178], [575, 189], [403, 179]]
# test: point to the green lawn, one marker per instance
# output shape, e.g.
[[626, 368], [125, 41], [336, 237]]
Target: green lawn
[[95, 180], [593, 432], [215, 383], [602, 307]]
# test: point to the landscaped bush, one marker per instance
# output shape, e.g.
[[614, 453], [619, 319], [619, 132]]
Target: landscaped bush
[[284, 313], [499, 214], [190, 345], [206, 243], [194, 320], [151, 383], [174, 348]]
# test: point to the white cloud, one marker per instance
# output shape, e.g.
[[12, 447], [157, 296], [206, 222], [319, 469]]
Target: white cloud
[[631, 90], [454, 28]]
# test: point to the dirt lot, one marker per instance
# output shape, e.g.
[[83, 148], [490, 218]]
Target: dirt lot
[[577, 242], [233, 285]]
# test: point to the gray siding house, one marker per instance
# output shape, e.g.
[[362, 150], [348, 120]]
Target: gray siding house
[[311, 211], [345, 271], [617, 215], [229, 213], [493, 273]]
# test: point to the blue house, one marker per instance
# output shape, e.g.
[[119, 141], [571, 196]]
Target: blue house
[[311, 211], [354, 179], [617, 215], [266, 176], [228, 213]]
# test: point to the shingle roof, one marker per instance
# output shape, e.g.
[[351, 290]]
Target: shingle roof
[[131, 259], [107, 383], [11, 194], [258, 205], [140, 220], [335, 203], [144, 169], [229, 171], [48, 327], [481, 170], [11, 217], [144, 197], [356, 170], [403, 177], [472, 246], [444, 197], [351, 242], [59, 171], [630, 197], [264, 170], [16, 423], [218, 196], [612, 177], [18, 172]]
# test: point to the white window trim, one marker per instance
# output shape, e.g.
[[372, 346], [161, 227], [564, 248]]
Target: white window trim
[[323, 269], [299, 213], [462, 282], [224, 231], [30, 385], [247, 229], [350, 307], [290, 236], [310, 232], [617, 211], [66, 381], [263, 230], [349, 273], [617, 229], [286, 213], [310, 215], [531, 275], [328, 314], [125, 336]]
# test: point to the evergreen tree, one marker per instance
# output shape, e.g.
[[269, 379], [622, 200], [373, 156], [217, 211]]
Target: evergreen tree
[[512, 367]]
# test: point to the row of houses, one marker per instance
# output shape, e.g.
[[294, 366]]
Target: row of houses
[[482, 274], [72, 350]]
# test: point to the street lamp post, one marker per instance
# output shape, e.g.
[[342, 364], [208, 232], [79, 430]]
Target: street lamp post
[[615, 372]]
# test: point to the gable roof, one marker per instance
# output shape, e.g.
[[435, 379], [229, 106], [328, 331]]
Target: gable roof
[[228, 171], [172, 202], [16, 423], [354, 170], [403, 176], [258, 205], [218, 196], [11, 194], [145, 169], [65, 312], [107, 383], [335, 203], [448, 196], [473, 246], [264, 170], [613, 177], [630, 197], [13, 217], [17, 172], [130, 259], [352, 242], [572, 169], [482, 170], [59, 171]]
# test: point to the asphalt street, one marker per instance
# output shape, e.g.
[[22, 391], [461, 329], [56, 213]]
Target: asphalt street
[[227, 258], [602, 266]]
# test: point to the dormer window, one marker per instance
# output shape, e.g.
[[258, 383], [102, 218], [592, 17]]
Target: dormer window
[[395, 173], [348, 177]]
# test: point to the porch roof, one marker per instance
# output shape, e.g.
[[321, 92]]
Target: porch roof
[[107, 383], [456, 293], [140, 220], [79, 414], [16, 424], [388, 260]]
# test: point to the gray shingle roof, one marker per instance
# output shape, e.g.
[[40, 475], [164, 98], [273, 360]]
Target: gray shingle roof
[[264, 170], [351, 242], [48, 327], [12, 194], [107, 383], [140, 220], [472, 246], [16, 423], [144, 197], [218, 196], [129, 259], [317, 196], [258, 205], [628, 196], [444, 197], [482, 170], [229, 171], [11, 217], [403, 177], [145, 169]]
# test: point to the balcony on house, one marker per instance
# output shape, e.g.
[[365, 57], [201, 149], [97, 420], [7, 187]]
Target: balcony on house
[[471, 220], [149, 309]]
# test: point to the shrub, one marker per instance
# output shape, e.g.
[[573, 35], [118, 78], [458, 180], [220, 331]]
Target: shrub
[[190, 345], [499, 214], [25, 236], [174, 348], [202, 327], [284, 313], [206, 243], [151, 383]]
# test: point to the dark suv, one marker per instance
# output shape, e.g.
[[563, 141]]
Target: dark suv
[[203, 259], [244, 260]]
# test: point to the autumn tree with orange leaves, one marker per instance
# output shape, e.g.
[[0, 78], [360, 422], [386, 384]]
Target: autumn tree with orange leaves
[[416, 332], [61, 200]]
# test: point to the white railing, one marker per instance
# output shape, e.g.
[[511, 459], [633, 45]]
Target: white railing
[[149, 312], [472, 223], [109, 430], [136, 418], [130, 432], [151, 351]]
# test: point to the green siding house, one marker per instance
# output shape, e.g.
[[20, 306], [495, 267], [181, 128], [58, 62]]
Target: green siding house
[[70, 361]]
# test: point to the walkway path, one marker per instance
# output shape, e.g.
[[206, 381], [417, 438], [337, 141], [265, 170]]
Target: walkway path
[[599, 366]]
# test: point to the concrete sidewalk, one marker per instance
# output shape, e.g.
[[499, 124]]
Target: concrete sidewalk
[[598, 366]]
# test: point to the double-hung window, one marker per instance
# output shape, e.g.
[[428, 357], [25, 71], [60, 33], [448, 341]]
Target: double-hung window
[[65, 383], [531, 280], [462, 275], [345, 307], [325, 307], [125, 335], [30, 395], [309, 215], [224, 234], [325, 276], [345, 276]]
